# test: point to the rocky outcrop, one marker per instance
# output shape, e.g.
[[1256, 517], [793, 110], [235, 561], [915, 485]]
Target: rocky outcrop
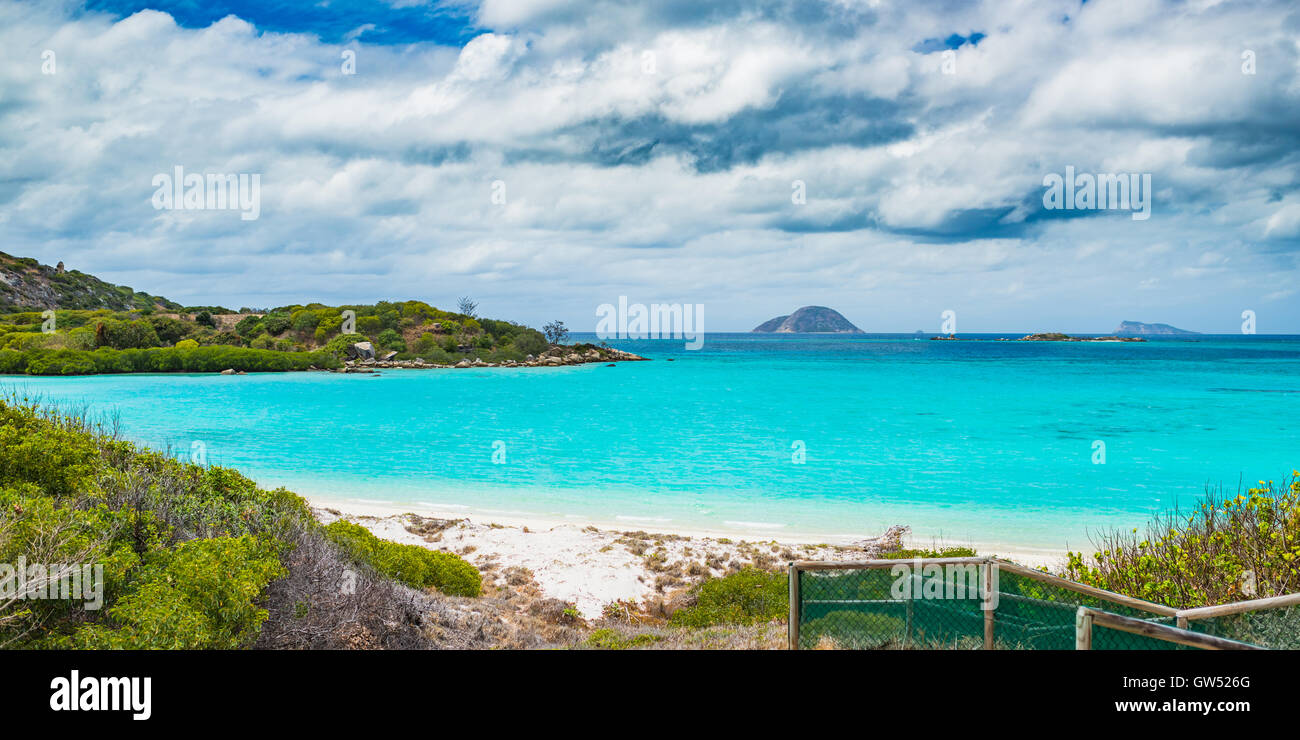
[[1058, 337], [553, 357], [27, 284], [809, 320], [361, 351]]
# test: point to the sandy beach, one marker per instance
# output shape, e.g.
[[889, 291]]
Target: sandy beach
[[592, 566]]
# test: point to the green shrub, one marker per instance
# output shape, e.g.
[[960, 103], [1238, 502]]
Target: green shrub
[[1207, 557], [749, 596], [946, 552], [414, 565], [608, 639], [202, 594]]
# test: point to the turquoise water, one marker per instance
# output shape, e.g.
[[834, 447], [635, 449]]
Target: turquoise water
[[981, 442]]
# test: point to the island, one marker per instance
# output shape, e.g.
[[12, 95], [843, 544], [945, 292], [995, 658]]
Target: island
[[1135, 328], [1052, 336], [808, 320]]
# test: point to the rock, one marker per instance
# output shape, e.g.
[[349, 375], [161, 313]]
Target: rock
[[389, 355], [362, 351], [228, 371], [890, 541], [464, 363], [529, 358], [611, 365]]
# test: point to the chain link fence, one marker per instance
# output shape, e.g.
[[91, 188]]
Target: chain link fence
[[953, 603]]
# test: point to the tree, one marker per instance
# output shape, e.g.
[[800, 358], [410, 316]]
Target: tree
[[206, 319], [466, 306], [556, 332]]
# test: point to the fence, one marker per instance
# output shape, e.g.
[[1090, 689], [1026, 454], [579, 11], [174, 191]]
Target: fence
[[1273, 622], [1089, 621], [976, 602]]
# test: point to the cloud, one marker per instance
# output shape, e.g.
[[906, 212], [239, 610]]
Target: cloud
[[652, 150]]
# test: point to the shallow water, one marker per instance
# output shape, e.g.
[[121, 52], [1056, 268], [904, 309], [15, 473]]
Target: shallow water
[[980, 441]]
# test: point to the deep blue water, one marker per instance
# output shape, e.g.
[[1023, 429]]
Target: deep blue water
[[974, 441]]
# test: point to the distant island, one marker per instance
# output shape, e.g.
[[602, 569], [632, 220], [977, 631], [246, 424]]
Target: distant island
[[1059, 337], [809, 320], [1137, 328]]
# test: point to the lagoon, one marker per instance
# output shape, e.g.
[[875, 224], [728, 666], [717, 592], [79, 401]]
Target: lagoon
[[789, 436]]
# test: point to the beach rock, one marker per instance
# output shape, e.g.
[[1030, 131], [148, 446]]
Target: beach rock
[[389, 356], [228, 371], [890, 541], [464, 363]]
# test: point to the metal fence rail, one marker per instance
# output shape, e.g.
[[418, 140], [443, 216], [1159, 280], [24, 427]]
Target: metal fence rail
[[987, 603]]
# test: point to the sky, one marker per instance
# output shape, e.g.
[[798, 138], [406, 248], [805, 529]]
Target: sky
[[886, 158]]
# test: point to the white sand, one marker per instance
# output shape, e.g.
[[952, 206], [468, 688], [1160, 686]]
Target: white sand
[[591, 567]]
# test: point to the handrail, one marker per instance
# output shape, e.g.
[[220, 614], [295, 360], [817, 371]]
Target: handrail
[[1238, 607], [1100, 593], [1087, 617]]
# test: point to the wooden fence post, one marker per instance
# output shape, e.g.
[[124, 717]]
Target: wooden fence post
[[792, 630], [1083, 629], [986, 573]]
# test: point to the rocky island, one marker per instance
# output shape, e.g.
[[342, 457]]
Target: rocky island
[[808, 320], [1059, 337]]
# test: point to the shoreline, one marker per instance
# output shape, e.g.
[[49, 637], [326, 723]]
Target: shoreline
[[591, 564]]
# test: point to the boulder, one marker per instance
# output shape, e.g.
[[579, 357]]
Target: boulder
[[389, 355], [464, 363], [362, 351], [228, 371]]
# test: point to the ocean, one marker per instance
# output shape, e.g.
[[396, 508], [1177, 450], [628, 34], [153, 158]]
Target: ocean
[[1022, 446]]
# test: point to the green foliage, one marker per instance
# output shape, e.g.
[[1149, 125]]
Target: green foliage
[[414, 565], [187, 551], [529, 342], [946, 552], [184, 357], [608, 639], [1208, 557], [748, 596], [202, 594]]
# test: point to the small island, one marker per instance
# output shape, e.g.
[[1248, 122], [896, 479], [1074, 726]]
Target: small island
[[1059, 337], [808, 320]]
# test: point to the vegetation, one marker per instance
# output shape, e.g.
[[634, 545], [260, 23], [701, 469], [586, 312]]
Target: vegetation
[[748, 596], [29, 283], [84, 342], [1228, 549], [191, 556], [411, 564]]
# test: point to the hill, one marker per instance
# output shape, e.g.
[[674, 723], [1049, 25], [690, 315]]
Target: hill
[[809, 320], [1137, 328], [27, 284], [103, 328]]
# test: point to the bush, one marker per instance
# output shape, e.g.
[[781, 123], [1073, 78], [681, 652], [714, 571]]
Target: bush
[[202, 594], [187, 344], [413, 565], [749, 596], [1207, 557]]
